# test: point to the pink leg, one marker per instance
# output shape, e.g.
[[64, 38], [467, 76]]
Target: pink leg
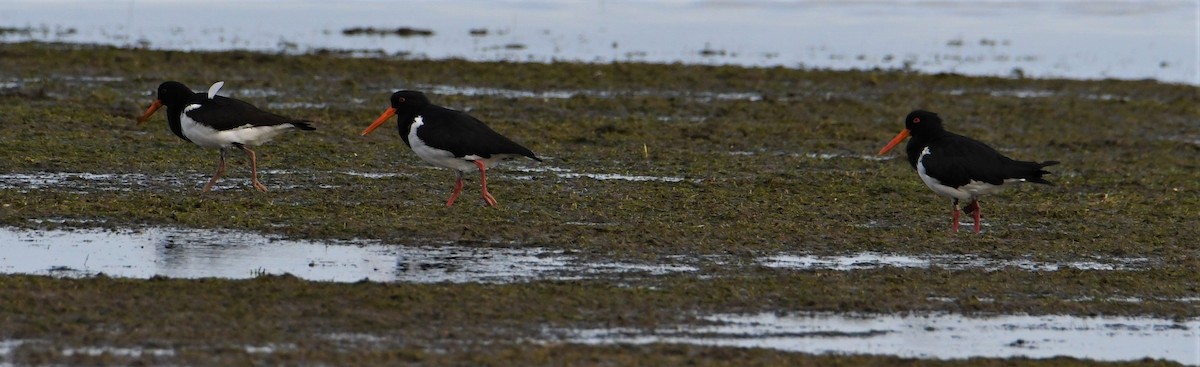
[[973, 210], [487, 197], [978, 213], [253, 169], [220, 171], [457, 189], [954, 208]]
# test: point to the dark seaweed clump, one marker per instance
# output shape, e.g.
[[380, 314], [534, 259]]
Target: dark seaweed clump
[[400, 32]]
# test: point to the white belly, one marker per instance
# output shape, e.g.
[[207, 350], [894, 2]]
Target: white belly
[[246, 134]]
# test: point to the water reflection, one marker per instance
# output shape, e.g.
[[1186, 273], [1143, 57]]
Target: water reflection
[[929, 336], [190, 253]]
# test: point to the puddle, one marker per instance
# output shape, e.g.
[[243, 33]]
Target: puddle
[[821, 156], [1034, 93], [71, 180], [195, 253], [564, 94], [277, 179], [567, 173], [7, 347], [941, 336], [84, 182], [188, 253], [873, 260], [928, 336], [123, 352], [498, 92], [614, 176], [556, 171], [1016, 93], [1182, 138], [1136, 299], [376, 175], [297, 105], [865, 157]]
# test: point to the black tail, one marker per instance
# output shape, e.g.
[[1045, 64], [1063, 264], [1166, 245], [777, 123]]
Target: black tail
[[1032, 171], [304, 125]]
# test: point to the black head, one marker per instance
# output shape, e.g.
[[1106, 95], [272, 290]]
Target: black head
[[174, 94], [406, 104], [918, 123], [408, 100], [921, 122]]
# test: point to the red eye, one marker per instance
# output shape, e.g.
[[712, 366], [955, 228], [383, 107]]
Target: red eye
[[916, 120], [401, 99]]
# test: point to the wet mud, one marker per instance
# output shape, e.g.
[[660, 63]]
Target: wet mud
[[675, 200]]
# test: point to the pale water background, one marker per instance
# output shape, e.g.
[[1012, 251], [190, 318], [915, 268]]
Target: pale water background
[[1069, 39]]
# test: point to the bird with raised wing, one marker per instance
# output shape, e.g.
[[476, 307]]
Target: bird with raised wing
[[213, 121]]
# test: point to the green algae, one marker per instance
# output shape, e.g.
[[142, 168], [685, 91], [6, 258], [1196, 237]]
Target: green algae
[[784, 171]]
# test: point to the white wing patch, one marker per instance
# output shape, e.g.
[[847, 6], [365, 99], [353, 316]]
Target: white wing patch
[[212, 91]]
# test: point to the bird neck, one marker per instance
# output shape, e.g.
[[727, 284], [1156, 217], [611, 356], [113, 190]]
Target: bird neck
[[173, 121], [406, 119]]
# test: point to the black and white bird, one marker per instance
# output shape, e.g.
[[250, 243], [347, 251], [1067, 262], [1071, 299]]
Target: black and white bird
[[213, 121], [449, 138], [958, 167]]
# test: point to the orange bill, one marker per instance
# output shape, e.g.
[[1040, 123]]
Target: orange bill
[[150, 111], [379, 121], [895, 141]]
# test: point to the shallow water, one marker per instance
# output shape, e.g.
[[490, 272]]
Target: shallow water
[[874, 260], [571, 174], [702, 96], [276, 179], [200, 253], [191, 253], [1072, 39], [929, 336], [7, 347], [41, 180], [925, 336]]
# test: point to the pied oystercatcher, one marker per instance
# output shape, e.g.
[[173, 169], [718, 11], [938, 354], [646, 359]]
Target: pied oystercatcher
[[213, 121], [449, 138], [959, 167]]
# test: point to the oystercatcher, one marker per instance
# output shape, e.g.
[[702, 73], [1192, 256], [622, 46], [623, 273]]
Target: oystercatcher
[[959, 167], [449, 138], [213, 121]]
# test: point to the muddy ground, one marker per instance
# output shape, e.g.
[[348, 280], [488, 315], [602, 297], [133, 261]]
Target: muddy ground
[[642, 162]]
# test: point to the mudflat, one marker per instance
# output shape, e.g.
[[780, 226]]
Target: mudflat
[[720, 166]]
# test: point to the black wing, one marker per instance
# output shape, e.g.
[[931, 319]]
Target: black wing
[[957, 160], [223, 113], [464, 135]]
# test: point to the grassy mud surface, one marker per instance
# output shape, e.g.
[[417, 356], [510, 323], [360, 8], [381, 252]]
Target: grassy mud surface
[[642, 162]]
